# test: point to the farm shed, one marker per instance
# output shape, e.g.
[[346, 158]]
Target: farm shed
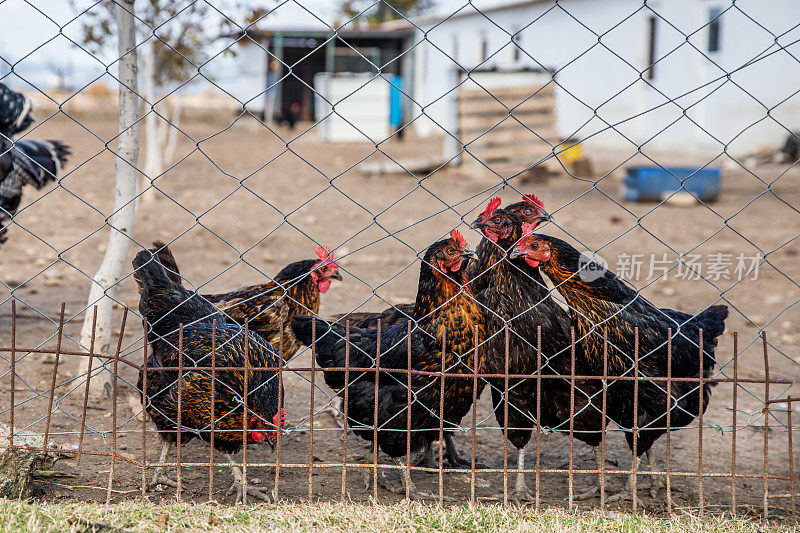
[[699, 93], [289, 58]]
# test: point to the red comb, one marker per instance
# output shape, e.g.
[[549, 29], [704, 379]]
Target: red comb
[[456, 236], [494, 203], [528, 227], [533, 199], [279, 416], [325, 255]]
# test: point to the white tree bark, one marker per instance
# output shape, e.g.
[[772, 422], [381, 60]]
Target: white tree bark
[[153, 161], [115, 261]]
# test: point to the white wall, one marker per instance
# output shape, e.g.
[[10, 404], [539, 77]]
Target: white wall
[[361, 103], [598, 82]]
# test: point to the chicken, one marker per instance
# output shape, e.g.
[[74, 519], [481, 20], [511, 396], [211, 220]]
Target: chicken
[[529, 210], [15, 112], [166, 305], [444, 306], [295, 289], [22, 162], [516, 296], [599, 300]]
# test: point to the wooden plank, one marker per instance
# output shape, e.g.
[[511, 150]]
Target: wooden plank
[[530, 153], [422, 165], [506, 95], [491, 107], [492, 142], [476, 125]]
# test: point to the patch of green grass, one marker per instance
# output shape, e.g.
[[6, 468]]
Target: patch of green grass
[[140, 516]]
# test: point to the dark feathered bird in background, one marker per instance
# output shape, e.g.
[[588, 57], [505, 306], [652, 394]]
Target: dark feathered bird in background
[[22, 162], [444, 306], [167, 305], [600, 300]]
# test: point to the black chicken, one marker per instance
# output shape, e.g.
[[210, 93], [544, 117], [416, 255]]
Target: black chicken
[[22, 162], [167, 305], [600, 300], [516, 296], [444, 305]]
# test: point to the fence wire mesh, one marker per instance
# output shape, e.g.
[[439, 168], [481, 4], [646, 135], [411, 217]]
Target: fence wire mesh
[[361, 145]]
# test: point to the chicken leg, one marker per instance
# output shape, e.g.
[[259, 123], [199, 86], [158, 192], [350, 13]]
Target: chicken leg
[[413, 492], [521, 493], [594, 491], [240, 486], [159, 478], [454, 459], [652, 484]]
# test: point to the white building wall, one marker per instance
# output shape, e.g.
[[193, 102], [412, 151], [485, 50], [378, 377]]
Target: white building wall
[[598, 81]]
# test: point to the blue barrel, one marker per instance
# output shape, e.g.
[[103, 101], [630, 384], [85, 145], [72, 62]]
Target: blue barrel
[[648, 184]]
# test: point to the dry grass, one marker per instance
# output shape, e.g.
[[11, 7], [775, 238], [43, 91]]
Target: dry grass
[[142, 516]]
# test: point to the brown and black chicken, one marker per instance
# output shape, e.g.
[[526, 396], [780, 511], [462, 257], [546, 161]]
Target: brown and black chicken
[[167, 305], [516, 297], [445, 306], [295, 289], [600, 300]]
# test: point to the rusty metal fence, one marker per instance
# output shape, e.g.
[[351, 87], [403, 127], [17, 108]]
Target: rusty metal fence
[[770, 487], [737, 457]]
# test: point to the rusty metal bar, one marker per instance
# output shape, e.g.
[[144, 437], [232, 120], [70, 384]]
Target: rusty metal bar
[[441, 418], [538, 413], [766, 424], [344, 405], [53, 379], [602, 465], [733, 421], [635, 449], [280, 406], [144, 407], [571, 414], [245, 414], [179, 439], [474, 419], [114, 390], [700, 410], [375, 447], [791, 455], [88, 380], [505, 419], [14, 373], [408, 409], [311, 411], [213, 406], [668, 481]]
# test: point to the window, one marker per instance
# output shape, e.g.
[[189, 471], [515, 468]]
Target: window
[[484, 49], [713, 29], [650, 73], [516, 44]]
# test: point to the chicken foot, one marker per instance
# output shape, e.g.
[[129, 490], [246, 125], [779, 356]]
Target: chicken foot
[[240, 486], [159, 478], [652, 485]]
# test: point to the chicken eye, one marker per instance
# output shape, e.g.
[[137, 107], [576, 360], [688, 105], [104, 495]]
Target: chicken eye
[[534, 246], [528, 211], [497, 220], [451, 251]]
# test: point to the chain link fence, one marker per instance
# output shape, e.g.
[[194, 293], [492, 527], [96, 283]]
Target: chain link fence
[[658, 139]]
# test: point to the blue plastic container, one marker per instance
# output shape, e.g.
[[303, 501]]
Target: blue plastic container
[[648, 184]]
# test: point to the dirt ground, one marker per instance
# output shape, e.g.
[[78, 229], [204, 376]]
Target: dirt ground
[[234, 217]]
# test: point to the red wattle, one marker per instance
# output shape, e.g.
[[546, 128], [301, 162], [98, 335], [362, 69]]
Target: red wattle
[[258, 436]]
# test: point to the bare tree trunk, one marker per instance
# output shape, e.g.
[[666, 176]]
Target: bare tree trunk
[[153, 162], [171, 141], [104, 284]]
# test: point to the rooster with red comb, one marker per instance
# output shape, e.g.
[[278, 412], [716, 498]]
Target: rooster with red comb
[[446, 311], [297, 288]]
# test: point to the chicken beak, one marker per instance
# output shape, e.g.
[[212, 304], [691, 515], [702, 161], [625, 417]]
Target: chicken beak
[[337, 276], [469, 253], [513, 254], [544, 218], [478, 224]]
